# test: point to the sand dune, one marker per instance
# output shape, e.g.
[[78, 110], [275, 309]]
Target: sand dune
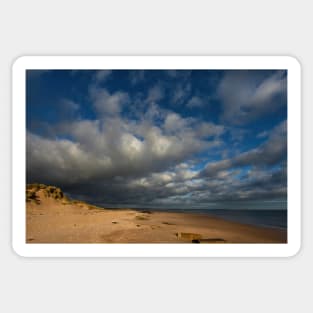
[[52, 218]]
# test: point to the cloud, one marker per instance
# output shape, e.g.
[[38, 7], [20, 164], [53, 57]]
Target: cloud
[[132, 148], [173, 122], [207, 129], [248, 95], [262, 134], [67, 109], [181, 93], [120, 166], [271, 152], [195, 102], [102, 76], [61, 161], [155, 94], [106, 103], [136, 76], [118, 153]]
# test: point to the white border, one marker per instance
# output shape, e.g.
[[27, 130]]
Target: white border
[[156, 250]]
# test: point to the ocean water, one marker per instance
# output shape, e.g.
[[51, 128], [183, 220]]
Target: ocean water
[[265, 218], [259, 213]]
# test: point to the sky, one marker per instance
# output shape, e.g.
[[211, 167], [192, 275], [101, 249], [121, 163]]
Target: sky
[[160, 138]]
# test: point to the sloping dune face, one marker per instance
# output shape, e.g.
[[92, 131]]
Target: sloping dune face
[[51, 217], [35, 193]]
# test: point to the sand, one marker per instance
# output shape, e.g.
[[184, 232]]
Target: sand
[[51, 220]]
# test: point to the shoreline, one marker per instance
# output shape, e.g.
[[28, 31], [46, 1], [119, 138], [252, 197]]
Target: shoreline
[[53, 218], [207, 214], [82, 224]]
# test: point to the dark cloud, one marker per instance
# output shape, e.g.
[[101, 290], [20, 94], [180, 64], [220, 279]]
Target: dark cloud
[[155, 177], [248, 95], [271, 152]]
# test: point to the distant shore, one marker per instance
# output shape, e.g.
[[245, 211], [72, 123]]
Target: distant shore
[[55, 219]]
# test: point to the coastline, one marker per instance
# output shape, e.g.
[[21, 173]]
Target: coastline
[[54, 221], [241, 216]]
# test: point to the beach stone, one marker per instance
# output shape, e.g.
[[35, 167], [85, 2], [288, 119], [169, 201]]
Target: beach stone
[[189, 236], [195, 241]]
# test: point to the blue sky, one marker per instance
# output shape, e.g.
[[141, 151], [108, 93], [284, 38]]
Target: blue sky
[[160, 138]]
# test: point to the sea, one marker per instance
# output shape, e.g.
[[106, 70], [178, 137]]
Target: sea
[[265, 218], [271, 214]]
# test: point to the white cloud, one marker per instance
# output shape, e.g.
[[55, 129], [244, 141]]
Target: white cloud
[[106, 103], [207, 129], [116, 146], [173, 122]]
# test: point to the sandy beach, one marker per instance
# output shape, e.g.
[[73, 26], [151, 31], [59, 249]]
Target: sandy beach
[[52, 218]]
